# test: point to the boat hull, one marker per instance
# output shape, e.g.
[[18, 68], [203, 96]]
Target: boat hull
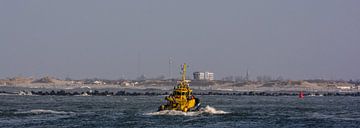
[[189, 105]]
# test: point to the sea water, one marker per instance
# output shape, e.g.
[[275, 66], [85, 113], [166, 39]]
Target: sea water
[[140, 111]]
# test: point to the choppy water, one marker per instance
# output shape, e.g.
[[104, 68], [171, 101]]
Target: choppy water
[[140, 111]]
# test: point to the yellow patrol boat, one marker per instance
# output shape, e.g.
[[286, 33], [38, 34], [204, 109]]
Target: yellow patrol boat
[[181, 99]]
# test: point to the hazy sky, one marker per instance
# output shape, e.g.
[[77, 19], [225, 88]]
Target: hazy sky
[[296, 39]]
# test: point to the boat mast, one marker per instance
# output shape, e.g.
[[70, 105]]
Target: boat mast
[[184, 73]]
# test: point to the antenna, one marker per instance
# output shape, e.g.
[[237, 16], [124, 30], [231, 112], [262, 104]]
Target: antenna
[[247, 75], [170, 63], [138, 64]]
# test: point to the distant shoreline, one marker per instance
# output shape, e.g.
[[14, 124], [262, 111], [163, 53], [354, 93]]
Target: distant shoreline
[[97, 87], [6, 90]]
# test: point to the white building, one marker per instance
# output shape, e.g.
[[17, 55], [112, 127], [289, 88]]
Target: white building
[[199, 75], [344, 87], [203, 76], [97, 82]]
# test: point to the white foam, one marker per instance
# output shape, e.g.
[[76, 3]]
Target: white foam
[[212, 110], [23, 93], [206, 110], [44, 111]]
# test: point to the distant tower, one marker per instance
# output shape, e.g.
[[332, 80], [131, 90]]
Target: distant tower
[[247, 75], [170, 63], [138, 64]]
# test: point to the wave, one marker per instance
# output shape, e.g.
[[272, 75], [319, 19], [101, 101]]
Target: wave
[[206, 110], [347, 117], [44, 111], [212, 110]]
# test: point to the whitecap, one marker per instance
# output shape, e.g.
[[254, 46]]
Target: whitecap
[[212, 110], [206, 110], [44, 111]]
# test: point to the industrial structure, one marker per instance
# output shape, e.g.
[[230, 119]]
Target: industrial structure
[[203, 76]]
